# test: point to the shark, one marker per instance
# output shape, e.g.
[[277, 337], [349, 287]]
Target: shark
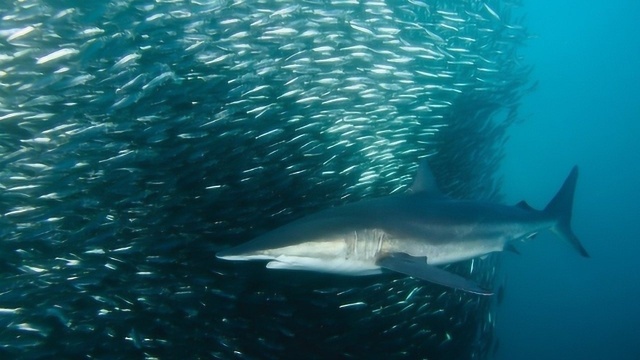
[[411, 233]]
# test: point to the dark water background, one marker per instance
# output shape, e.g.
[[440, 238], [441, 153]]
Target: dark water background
[[586, 111]]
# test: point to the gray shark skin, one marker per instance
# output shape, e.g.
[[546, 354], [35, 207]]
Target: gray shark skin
[[408, 233]]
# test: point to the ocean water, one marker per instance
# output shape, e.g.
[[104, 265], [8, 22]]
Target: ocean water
[[585, 111]]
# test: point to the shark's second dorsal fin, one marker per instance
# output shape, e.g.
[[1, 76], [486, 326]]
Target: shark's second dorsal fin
[[525, 206], [424, 182]]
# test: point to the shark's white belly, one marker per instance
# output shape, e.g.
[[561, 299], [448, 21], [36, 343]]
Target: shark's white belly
[[338, 265], [452, 252], [357, 252]]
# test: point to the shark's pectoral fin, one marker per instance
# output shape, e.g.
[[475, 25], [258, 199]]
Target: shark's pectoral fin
[[417, 267]]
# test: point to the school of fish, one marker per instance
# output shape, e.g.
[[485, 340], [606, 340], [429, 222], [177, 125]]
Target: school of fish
[[137, 138]]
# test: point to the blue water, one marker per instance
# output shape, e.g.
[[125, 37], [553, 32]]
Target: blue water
[[586, 111]]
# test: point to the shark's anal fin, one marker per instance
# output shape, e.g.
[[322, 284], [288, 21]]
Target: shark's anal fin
[[510, 247], [417, 267]]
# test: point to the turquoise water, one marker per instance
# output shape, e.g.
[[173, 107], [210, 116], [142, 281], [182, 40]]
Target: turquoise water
[[585, 111]]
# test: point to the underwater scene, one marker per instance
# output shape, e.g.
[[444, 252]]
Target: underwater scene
[[370, 157]]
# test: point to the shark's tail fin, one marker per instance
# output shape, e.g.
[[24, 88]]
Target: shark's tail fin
[[560, 207]]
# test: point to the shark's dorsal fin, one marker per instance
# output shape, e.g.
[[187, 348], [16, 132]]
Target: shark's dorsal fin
[[424, 182]]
